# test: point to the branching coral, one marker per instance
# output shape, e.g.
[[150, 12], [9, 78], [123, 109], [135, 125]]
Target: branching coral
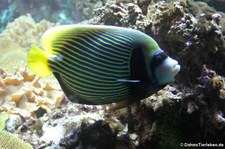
[[24, 94]]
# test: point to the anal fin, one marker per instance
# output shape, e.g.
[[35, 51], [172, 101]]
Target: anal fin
[[121, 104]]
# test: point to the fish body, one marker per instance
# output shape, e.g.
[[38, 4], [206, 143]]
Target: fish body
[[97, 64]]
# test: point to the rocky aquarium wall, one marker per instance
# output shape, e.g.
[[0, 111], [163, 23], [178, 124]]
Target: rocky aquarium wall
[[189, 112]]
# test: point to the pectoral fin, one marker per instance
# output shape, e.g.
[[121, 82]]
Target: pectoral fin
[[128, 81]]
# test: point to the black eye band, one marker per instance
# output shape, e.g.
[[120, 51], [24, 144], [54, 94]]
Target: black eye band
[[157, 59]]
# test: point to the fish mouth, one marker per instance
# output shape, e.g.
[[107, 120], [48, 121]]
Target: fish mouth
[[175, 67]]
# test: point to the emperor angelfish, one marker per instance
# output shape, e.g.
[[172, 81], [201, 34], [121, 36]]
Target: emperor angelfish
[[97, 64]]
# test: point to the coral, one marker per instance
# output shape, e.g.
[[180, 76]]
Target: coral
[[168, 126], [132, 16], [143, 4], [3, 118], [155, 120], [60, 122], [86, 8], [129, 15], [205, 109], [204, 41], [163, 15], [198, 8], [24, 31], [12, 55], [71, 122], [25, 94], [163, 98], [97, 135], [17, 39], [11, 141], [217, 4]]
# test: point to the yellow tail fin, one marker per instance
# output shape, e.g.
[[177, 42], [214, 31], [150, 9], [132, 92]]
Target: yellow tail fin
[[38, 61]]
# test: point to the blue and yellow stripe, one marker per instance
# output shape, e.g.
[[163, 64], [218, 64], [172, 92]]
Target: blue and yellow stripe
[[92, 63]]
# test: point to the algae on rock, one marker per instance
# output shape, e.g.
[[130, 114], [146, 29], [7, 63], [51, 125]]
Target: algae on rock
[[11, 141], [4, 116]]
